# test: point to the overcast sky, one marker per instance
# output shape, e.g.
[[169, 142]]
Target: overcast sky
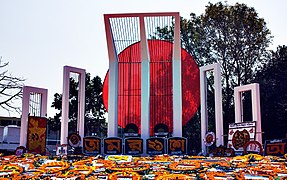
[[39, 37]]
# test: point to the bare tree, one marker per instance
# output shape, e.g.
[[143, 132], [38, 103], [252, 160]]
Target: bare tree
[[10, 89]]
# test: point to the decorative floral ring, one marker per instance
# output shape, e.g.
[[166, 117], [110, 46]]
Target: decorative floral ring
[[213, 175], [269, 169], [135, 167], [256, 157], [11, 169], [185, 165], [160, 172], [26, 177], [9, 159], [125, 174], [118, 158], [54, 167], [82, 162], [239, 159], [78, 171], [173, 176], [82, 169], [100, 163]]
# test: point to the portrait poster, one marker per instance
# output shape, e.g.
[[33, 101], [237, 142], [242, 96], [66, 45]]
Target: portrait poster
[[36, 135], [241, 133], [61, 149]]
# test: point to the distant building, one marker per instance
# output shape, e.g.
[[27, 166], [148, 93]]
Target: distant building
[[9, 133], [5, 121]]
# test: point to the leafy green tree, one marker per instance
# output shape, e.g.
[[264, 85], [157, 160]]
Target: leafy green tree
[[272, 80], [233, 36], [95, 122]]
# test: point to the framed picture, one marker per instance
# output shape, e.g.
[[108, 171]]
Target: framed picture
[[62, 150], [239, 134]]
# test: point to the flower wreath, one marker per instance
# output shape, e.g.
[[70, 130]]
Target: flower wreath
[[185, 165], [54, 167], [173, 176], [137, 167], [11, 169], [124, 174], [78, 171]]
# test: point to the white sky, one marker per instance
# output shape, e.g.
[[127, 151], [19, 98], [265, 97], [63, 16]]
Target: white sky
[[39, 37]]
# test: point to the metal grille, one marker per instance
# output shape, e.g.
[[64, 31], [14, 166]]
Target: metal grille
[[125, 32], [35, 104]]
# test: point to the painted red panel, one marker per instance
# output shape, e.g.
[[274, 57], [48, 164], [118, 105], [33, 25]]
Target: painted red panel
[[36, 135], [129, 98]]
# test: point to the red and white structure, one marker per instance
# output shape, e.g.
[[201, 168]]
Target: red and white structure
[[34, 102], [65, 102], [136, 28]]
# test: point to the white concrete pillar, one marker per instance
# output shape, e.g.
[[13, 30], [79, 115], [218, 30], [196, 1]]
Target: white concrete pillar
[[81, 105], [145, 84], [256, 111], [218, 104], [113, 81], [65, 107], [65, 103], [176, 80]]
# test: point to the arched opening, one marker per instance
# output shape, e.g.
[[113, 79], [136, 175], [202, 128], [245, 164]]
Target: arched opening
[[131, 130], [161, 130]]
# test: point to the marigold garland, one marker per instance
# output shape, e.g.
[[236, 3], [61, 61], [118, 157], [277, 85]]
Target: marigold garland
[[54, 167], [173, 176], [134, 167], [185, 165], [159, 167], [11, 169], [125, 174]]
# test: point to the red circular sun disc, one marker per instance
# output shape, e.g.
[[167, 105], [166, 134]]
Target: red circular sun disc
[[129, 85]]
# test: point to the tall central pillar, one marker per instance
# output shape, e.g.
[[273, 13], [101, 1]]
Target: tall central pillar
[[145, 84]]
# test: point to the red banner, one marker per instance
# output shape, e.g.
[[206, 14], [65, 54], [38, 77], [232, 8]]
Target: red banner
[[36, 136]]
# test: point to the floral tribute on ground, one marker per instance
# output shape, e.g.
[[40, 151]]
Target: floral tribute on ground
[[160, 167]]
